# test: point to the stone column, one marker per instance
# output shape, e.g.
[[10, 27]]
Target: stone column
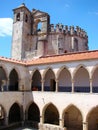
[[57, 83], [43, 81], [91, 86], [85, 125], [31, 81], [19, 85], [72, 86], [41, 120], [3, 85], [61, 122], [6, 120], [8, 83]]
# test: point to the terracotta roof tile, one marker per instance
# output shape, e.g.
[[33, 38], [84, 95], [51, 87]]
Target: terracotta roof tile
[[68, 57], [12, 60]]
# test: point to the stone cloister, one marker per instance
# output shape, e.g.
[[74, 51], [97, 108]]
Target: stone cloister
[[37, 100], [64, 79]]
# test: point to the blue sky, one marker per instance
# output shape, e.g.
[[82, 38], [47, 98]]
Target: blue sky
[[82, 13]]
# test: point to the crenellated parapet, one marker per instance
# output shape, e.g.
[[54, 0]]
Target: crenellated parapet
[[68, 30]]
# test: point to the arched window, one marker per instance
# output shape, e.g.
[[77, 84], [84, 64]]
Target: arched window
[[73, 122], [39, 26], [36, 81], [51, 115], [50, 84], [3, 79], [26, 18], [18, 17], [14, 113], [92, 119], [13, 77], [33, 113]]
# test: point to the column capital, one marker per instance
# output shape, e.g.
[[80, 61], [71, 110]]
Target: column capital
[[85, 125], [43, 80], [91, 80], [85, 122], [57, 80]]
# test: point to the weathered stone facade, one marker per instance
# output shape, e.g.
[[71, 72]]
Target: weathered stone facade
[[34, 36], [58, 90]]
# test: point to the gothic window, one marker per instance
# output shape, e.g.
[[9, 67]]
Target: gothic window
[[26, 18], [13, 77], [37, 26], [76, 44], [18, 17]]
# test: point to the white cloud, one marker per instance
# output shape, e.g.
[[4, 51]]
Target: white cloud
[[6, 27]]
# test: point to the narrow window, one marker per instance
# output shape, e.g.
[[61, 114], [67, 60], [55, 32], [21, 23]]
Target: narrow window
[[76, 44], [18, 17], [26, 18], [39, 26]]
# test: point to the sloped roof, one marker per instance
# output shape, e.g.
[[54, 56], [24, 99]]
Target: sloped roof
[[68, 57], [12, 60]]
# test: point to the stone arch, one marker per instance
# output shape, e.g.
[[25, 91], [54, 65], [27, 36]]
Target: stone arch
[[13, 80], [64, 78], [18, 71], [94, 75], [72, 117], [92, 118], [77, 68], [36, 26], [3, 79], [14, 113], [50, 114], [33, 113], [81, 79], [93, 70], [45, 71], [60, 69], [39, 26], [36, 81], [49, 77], [5, 69], [2, 115]]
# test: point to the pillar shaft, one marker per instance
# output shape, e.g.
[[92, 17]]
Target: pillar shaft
[[42, 81], [57, 83], [85, 125], [72, 86], [91, 86]]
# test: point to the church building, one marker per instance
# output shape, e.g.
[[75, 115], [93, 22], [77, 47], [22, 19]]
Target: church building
[[51, 80]]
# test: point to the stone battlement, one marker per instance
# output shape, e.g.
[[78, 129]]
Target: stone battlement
[[68, 30]]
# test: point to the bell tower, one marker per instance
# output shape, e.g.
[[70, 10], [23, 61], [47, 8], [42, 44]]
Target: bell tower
[[21, 30]]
